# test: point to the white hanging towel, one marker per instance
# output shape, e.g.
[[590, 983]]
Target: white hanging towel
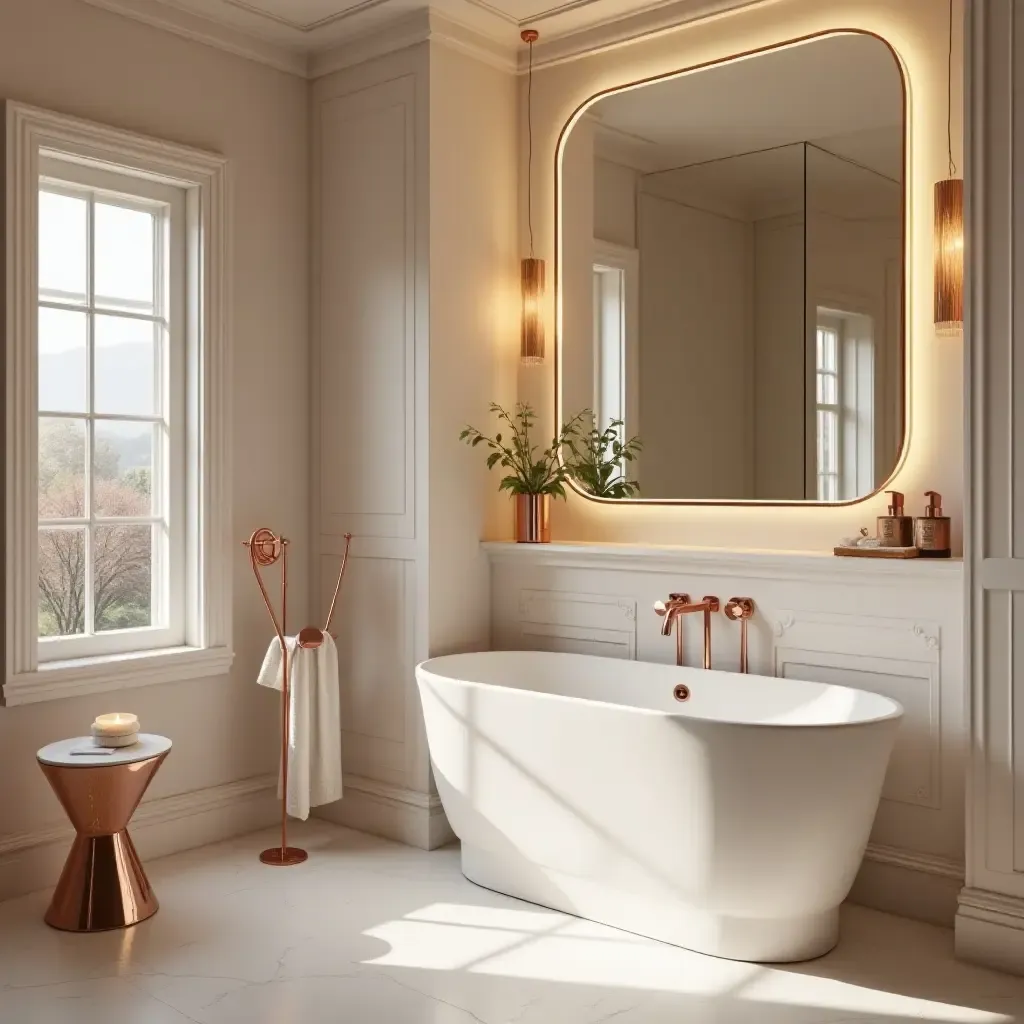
[[314, 741]]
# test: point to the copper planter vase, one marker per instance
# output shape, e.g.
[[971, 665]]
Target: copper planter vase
[[533, 518]]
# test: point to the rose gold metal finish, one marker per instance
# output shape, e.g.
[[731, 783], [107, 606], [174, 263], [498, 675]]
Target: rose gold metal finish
[[265, 548], [679, 605], [949, 257], [531, 332], [341, 576], [529, 35], [681, 692], [671, 612], [533, 518], [740, 609], [103, 884], [283, 856], [312, 637], [559, 271]]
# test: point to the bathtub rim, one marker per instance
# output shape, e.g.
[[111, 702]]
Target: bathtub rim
[[896, 712]]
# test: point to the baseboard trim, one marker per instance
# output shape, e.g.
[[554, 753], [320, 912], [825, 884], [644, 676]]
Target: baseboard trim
[[32, 860], [383, 809], [921, 886], [990, 929]]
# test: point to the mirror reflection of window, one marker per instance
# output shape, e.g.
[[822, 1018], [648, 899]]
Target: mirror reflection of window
[[844, 405], [609, 345], [828, 410], [615, 318]]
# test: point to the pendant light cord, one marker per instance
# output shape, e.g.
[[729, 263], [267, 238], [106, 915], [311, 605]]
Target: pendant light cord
[[949, 95], [529, 145]]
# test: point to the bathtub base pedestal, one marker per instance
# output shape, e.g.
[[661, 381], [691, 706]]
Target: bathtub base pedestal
[[753, 939]]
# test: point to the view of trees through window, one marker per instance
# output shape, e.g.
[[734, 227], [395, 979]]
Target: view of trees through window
[[102, 468], [121, 555]]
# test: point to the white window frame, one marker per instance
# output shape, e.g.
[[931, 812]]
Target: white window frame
[[833, 326], [617, 303], [71, 178], [32, 137]]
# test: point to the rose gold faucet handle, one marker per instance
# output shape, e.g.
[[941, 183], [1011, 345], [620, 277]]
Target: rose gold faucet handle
[[662, 607], [737, 608], [713, 603]]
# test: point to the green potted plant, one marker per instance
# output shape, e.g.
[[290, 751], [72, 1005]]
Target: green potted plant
[[598, 459], [533, 474]]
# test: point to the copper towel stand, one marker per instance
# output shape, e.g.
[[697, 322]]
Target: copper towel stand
[[265, 548]]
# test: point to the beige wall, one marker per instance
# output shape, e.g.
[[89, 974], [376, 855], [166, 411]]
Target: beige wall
[[778, 367], [474, 330], [695, 349], [614, 202], [917, 31], [68, 56]]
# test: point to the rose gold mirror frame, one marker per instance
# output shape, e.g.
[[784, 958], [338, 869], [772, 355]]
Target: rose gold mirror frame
[[901, 453]]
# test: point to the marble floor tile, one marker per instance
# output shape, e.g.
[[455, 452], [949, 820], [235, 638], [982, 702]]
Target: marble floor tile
[[371, 932]]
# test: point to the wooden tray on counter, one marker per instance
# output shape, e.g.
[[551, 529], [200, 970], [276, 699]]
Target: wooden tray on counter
[[845, 552]]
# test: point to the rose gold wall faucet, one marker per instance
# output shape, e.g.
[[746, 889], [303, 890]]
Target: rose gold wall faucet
[[679, 605], [741, 608]]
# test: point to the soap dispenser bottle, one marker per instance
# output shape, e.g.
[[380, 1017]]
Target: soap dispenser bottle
[[895, 530], [931, 531]]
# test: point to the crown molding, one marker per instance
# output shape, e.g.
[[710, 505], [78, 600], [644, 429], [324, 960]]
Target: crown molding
[[657, 19], [199, 29], [417, 27], [485, 33]]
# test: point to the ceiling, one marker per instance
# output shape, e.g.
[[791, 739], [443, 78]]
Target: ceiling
[[843, 92], [295, 34]]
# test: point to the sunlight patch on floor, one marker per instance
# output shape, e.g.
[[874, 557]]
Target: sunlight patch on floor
[[547, 946], [779, 987]]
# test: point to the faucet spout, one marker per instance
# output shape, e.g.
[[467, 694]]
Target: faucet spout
[[670, 611], [679, 605]]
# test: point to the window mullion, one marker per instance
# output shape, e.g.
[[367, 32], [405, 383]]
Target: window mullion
[[90, 423]]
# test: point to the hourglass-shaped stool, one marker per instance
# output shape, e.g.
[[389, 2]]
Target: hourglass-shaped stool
[[103, 884]]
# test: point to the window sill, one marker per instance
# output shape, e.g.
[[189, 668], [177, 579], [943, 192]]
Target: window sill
[[59, 679]]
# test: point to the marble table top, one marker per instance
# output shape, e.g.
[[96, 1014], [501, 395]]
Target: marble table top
[[60, 753]]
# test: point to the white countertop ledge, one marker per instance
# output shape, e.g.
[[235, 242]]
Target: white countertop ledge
[[711, 561]]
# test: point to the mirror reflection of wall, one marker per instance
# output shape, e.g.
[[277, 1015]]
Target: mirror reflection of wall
[[732, 272]]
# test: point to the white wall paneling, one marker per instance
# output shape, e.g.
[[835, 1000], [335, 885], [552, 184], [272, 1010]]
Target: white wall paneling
[[893, 629], [990, 921], [414, 247], [896, 656], [370, 336], [367, 265]]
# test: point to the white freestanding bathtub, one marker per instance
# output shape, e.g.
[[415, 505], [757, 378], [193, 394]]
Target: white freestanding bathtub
[[732, 823]]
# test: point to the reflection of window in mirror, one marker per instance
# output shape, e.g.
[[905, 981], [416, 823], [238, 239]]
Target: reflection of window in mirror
[[844, 405], [616, 269]]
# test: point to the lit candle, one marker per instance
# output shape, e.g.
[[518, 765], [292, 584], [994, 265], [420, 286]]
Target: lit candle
[[117, 724]]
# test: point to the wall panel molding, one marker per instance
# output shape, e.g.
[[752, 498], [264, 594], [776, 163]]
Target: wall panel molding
[[990, 919]]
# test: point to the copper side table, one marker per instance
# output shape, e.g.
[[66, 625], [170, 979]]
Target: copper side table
[[103, 884]]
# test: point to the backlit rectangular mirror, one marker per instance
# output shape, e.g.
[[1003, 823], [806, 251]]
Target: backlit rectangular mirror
[[731, 273]]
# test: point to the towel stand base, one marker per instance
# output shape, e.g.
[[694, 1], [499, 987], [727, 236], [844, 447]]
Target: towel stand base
[[283, 856]]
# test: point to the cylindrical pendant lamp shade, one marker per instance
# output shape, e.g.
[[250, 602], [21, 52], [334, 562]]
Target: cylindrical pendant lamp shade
[[531, 340], [949, 257]]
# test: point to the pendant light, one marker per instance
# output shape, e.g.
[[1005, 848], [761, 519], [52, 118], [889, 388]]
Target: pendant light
[[949, 227], [531, 338]]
